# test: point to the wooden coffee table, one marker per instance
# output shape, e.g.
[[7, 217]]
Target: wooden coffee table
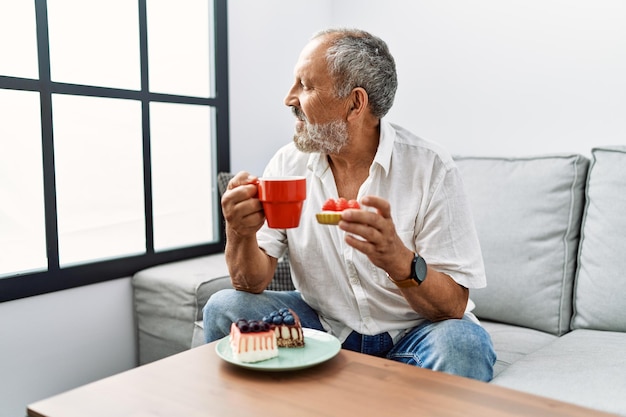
[[199, 383]]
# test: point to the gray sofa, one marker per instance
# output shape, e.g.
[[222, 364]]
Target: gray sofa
[[553, 234]]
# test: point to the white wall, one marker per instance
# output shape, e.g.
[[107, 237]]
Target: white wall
[[505, 77], [265, 39], [55, 342], [514, 77]]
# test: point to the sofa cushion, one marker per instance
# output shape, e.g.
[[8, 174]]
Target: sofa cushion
[[527, 213], [513, 343], [168, 300], [599, 295], [584, 367]]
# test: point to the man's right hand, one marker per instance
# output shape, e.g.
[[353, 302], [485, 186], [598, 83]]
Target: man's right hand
[[250, 268], [242, 209]]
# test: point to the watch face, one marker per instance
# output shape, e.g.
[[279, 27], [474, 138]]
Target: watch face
[[419, 269]]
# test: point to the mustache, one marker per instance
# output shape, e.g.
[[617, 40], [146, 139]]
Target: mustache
[[298, 113]]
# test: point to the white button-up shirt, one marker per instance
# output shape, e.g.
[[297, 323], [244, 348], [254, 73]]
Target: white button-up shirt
[[431, 215]]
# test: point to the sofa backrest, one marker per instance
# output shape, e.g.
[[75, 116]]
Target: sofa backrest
[[528, 213], [600, 290]]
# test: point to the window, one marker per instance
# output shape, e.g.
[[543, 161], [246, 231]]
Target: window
[[113, 126]]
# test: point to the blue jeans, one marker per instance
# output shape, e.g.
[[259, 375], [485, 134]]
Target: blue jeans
[[460, 347]]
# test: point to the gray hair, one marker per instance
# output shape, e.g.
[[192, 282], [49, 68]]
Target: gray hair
[[359, 59]]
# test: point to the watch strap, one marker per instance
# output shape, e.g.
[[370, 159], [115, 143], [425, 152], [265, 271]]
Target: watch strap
[[417, 276], [405, 283]]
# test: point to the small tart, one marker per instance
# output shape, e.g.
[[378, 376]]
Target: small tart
[[328, 217]]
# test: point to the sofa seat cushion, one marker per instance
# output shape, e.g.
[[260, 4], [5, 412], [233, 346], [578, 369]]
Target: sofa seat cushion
[[198, 334], [599, 296], [513, 342], [582, 367], [168, 300], [527, 213]]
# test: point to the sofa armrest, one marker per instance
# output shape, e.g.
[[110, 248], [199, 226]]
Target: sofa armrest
[[168, 300]]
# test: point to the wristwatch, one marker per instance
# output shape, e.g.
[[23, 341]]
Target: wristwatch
[[418, 274]]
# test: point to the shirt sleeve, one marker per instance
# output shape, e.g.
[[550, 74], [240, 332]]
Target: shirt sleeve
[[447, 239]]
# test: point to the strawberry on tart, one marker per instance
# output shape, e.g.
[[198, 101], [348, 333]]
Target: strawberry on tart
[[331, 210]]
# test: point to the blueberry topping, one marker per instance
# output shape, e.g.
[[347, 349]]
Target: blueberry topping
[[246, 326], [282, 316]]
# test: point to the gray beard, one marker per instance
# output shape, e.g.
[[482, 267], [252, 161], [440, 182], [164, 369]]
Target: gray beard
[[329, 138]]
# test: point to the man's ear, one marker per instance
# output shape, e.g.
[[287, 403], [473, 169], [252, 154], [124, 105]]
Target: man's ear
[[359, 101]]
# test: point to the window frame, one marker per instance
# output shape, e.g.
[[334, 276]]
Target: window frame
[[57, 278]]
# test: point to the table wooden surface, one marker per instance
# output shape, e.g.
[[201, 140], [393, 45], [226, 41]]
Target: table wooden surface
[[198, 383]]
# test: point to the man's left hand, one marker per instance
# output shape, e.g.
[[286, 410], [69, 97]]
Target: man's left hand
[[374, 234]]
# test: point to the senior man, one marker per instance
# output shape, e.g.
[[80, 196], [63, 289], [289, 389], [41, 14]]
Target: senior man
[[391, 280]]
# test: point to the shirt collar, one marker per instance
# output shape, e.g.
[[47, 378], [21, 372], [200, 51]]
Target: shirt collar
[[385, 146]]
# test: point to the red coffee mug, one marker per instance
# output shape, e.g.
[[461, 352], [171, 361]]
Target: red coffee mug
[[282, 199]]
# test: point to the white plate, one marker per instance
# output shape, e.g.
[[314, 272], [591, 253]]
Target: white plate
[[318, 347]]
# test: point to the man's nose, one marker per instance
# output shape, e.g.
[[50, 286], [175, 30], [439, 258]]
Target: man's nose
[[291, 99]]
